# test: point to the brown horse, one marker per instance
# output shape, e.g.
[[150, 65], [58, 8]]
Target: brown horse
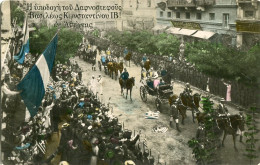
[[128, 57], [236, 123], [118, 67], [191, 102], [111, 69], [147, 65], [128, 86]]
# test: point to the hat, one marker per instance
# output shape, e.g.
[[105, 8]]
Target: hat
[[63, 163], [65, 125], [129, 162], [80, 115]]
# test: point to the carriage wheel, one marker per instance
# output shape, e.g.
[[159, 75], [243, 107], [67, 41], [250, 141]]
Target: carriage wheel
[[143, 94], [158, 104]]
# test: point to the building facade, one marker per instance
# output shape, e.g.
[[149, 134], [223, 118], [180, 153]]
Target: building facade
[[137, 14], [204, 17], [248, 22]]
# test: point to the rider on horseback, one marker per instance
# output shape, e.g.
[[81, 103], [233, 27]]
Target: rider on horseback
[[125, 52], [223, 111], [144, 58], [188, 89], [124, 76]]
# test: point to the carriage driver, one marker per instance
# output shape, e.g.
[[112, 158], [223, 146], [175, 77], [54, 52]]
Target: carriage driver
[[124, 76]]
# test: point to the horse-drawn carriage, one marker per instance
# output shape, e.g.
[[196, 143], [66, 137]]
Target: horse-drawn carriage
[[87, 54], [103, 62], [111, 67], [152, 87]]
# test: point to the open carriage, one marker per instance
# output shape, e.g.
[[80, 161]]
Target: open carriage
[[103, 62], [152, 87]]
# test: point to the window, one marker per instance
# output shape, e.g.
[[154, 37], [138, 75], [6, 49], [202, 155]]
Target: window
[[149, 3], [161, 13], [187, 15], [225, 20], [169, 14], [249, 14], [211, 16], [198, 15], [178, 15]]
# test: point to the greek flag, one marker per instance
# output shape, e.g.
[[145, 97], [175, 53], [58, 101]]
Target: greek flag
[[34, 84], [25, 47]]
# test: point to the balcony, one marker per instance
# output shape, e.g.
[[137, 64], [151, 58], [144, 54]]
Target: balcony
[[189, 3], [205, 2], [180, 3], [245, 1]]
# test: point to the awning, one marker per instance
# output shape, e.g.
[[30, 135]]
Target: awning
[[173, 30], [159, 27], [186, 32], [203, 34]]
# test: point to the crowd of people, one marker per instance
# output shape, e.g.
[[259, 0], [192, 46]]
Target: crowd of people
[[90, 133]]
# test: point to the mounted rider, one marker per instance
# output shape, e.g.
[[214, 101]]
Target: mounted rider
[[144, 58], [188, 89], [124, 76], [125, 52], [223, 111]]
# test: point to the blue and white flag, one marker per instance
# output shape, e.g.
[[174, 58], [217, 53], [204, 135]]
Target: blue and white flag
[[25, 47], [34, 84]]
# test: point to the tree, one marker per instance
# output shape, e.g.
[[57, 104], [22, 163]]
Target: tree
[[68, 42], [224, 62], [250, 134], [17, 13], [205, 144]]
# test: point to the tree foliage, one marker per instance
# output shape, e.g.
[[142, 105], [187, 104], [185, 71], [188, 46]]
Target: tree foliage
[[68, 42], [205, 144], [146, 42], [17, 13], [250, 135], [224, 62]]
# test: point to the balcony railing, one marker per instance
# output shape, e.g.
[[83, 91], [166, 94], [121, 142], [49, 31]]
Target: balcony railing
[[245, 1], [189, 3], [180, 3], [205, 2]]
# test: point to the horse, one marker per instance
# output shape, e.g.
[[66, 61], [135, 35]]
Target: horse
[[129, 86], [118, 67], [128, 57], [111, 69], [191, 102], [237, 123], [147, 65]]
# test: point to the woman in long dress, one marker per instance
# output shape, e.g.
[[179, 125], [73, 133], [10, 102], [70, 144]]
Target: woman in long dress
[[228, 95]]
